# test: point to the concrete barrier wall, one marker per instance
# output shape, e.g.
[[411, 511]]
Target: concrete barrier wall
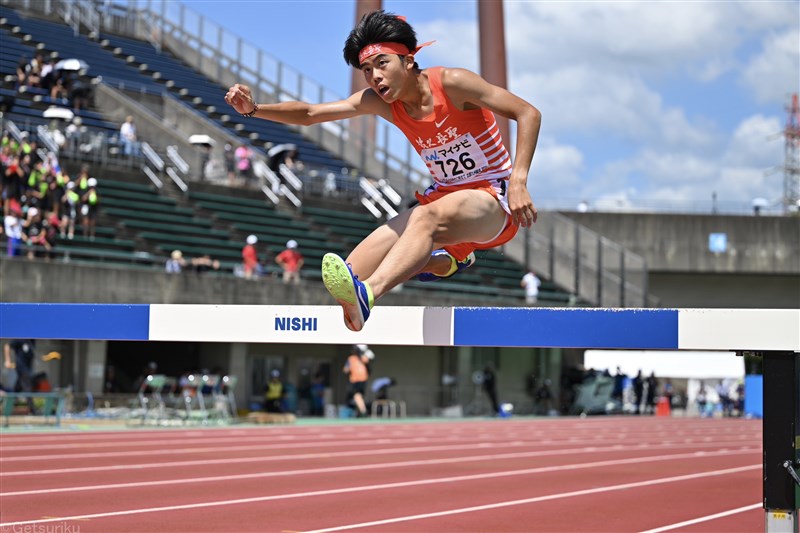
[[679, 243]]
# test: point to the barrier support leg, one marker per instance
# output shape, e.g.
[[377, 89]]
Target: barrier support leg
[[781, 433]]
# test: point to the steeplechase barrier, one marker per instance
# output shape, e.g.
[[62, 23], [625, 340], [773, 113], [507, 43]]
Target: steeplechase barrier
[[773, 334]]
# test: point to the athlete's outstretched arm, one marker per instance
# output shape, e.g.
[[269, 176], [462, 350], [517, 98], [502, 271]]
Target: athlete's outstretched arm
[[302, 113], [467, 90]]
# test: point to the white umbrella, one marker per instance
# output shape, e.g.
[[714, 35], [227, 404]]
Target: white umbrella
[[202, 139], [58, 112], [275, 150], [72, 64]]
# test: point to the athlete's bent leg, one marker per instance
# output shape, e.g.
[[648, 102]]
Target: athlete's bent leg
[[369, 253], [461, 216]]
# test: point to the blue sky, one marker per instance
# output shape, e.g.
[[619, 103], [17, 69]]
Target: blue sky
[[643, 103]]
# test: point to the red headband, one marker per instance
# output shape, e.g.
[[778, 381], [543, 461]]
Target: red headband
[[388, 48]]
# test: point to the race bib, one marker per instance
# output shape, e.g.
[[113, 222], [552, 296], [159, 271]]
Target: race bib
[[456, 161]]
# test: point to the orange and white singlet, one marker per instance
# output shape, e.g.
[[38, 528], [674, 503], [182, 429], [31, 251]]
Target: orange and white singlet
[[459, 147]]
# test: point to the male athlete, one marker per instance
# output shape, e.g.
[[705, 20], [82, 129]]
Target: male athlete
[[478, 199]]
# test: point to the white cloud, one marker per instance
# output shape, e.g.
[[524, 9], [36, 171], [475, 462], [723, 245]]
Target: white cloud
[[578, 99], [556, 168], [775, 72], [756, 141], [622, 70], [737, 171]]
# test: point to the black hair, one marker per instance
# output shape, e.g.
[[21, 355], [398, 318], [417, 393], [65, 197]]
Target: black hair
[[378, 27]]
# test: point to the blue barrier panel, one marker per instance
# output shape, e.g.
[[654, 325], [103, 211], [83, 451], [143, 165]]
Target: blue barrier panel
[[75, 321], [566, 328], [754, 395]]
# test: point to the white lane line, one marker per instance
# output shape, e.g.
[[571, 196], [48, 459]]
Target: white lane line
[[706, 518], [354, 468], [366, 453], [244, 448], [538, 499], [435, 481]]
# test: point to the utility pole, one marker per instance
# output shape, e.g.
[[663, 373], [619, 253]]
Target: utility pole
[[791, 166]]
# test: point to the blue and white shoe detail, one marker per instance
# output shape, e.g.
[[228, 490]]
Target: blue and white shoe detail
[[353, 295], [457, 266]]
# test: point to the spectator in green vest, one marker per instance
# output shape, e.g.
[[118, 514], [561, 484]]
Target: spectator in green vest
[[90, 202]]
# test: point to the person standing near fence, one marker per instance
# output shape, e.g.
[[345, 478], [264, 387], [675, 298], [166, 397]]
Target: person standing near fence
[[357, 370], [24, 350], [531, 283], [291, 261]]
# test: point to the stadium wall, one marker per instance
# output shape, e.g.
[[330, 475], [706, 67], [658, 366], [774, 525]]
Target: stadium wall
[[760, 266]]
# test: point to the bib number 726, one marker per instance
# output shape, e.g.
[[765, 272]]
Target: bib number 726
[[456, 167]]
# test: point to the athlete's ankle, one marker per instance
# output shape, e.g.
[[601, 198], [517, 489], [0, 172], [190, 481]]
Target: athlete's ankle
[[441, 265]]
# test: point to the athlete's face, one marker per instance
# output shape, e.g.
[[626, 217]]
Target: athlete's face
[[385, 74]]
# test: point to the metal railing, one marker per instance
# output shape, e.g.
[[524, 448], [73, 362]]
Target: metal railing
[[593, 268]]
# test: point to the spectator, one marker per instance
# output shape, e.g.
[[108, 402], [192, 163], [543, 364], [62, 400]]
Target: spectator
[[544, 398], [79, 94], [59, 89], [669, 391], [291, 261], [230, 163], [71, 201], [638, 392], [275, 393], [35, 233], [13, 230], [128, 138], [89, 201], [650, 397], [243, 162], [204, 263], [702, 399], [35, 70], [13, 179], [357, 370], [24, 352], [619, 386], [250, 257], [141, 382], [531, 283], [111, 383], [318, 386], [175, 263], [381, 387], [489, 385], [73, 133], [49, 74], [23, 67]]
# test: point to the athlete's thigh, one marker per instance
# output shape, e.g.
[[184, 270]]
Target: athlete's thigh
[[467, 216], [369, 253]]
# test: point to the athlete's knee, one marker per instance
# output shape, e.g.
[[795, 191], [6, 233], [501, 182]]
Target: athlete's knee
[[425, 216]]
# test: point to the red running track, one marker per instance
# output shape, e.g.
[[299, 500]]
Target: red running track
[[535, 475]]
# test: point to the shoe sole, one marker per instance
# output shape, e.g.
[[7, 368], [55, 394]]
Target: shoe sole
[[337, 280]]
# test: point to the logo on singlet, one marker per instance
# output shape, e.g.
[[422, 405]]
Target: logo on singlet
[[439, 124]]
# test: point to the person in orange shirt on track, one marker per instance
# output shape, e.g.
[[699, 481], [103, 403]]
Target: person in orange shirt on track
[[479, 199], [357, 369]]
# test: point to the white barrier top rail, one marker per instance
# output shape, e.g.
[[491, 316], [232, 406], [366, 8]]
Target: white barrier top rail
[[664, 329]]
